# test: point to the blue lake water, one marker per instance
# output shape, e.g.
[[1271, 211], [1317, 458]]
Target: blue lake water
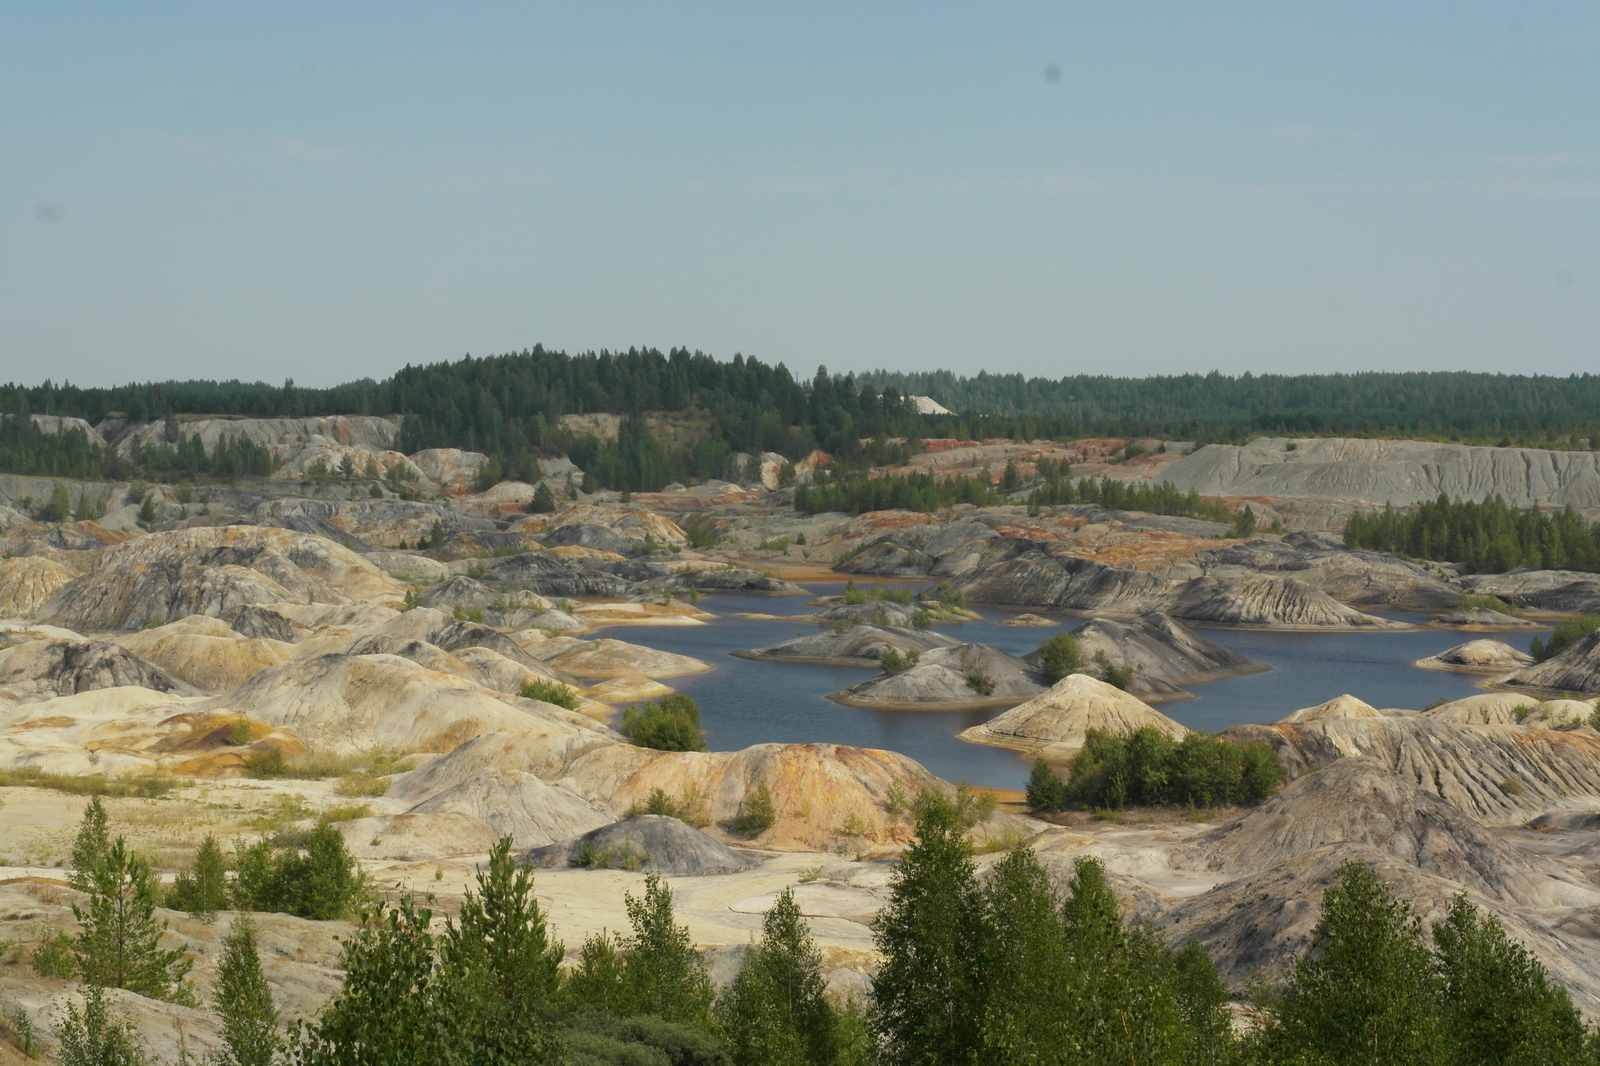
[[744, 702]]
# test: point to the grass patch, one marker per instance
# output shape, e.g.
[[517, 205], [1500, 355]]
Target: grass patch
[[1480, 602], [150, 785], [548, 691], [344, 814], [379, 762]]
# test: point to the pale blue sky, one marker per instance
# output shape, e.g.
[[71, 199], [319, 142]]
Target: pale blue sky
[[331, 190]]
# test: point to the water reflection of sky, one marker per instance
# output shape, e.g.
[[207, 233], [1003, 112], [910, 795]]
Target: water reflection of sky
[[745, 702]]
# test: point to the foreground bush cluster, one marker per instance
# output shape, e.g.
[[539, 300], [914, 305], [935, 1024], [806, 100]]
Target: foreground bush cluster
[[975, 969]]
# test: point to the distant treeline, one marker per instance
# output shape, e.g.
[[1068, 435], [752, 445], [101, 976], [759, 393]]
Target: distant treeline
[[26, 449], [509, 406], [1476, 408], [857, 493], [1490, 537]]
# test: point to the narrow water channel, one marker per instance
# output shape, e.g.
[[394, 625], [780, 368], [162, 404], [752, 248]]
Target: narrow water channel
[[745, 702]]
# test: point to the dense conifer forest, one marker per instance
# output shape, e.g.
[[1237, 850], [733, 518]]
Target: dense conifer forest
[[1470, 407], [508, 406], [1491, 536]]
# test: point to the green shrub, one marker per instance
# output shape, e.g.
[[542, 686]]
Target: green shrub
[[1566, 634], [757, 812], [1119, 675], [1059, 657], [53, 957], [624, 855], [1488, 603], [892, 662], [321, 883], [669, 724], [982, 684], [1147, 767], [921, 619], [549, 691], [852, 594]]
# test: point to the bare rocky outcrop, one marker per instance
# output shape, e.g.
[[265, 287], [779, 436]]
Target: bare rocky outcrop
[[647, 842], [1499, 774], [252, 620], [1575, 669], [1032, 577], [28, 582], [1345, 706], [735, 579], [1264, 600], [1160, 650], [1256, 926], [552, 576], [1488, 708], [1565, 591], [382, 523], [950, 678], [1027, 620], [212, 571], [1477, 657], [1029, 575], [1359, 578], [1483, 618], [517, 804], [825, 795], [1389, 471], [284, 436], [425, 837], [603, 658], [206, 652], [859, 645], [44, 669], [1056, 723], [1359, 800], [345, 704]]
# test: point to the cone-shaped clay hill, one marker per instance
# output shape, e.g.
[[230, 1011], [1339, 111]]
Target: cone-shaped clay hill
[[1055, 723], [1478, 657]]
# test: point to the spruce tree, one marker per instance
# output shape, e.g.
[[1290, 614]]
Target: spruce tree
[[929, 993], [119, 945], [1499, 1004], [202, 891], [1367, 991], [90, 847], [1045, 791], [250, 1035], [776, 1011], [505, 969], [544, 501], [663, 972]]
